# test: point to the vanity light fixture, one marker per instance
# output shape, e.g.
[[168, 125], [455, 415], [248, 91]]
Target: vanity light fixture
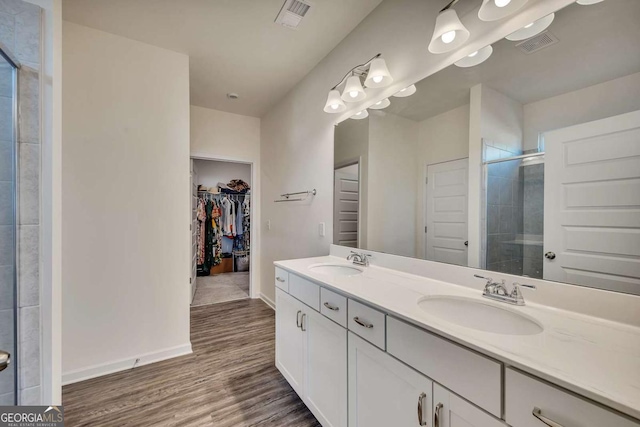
[[375, 74], [360, 115], [476, 58], [407, 91], [449, 33], [381, 104], [334, 103], [588, 2], [492, 10], [532, 29]]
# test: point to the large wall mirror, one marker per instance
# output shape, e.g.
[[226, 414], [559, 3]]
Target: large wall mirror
[[527, 163]]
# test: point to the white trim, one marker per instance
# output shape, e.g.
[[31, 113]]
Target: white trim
[[268, 301], [124, 364]]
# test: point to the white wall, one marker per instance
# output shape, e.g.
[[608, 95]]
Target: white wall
[[211, 172], [441, 138], [125, 198], [393, 167], [297, 136], [226, 136], [502, 120], [603, 100]]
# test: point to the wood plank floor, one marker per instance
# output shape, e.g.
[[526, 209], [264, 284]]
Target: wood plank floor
[[229, 380]]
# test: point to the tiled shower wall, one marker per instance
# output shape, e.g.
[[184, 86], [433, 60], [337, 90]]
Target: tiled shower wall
[[20, 33], [532, 261]]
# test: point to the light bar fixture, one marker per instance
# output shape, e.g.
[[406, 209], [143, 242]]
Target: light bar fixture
[[532, 29], [449, 33], [381, 104], [375, 74], [360, 115], [407, 91], [476, 58]]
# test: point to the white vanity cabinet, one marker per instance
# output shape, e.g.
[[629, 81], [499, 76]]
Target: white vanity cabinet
[[384, 392], [451, 410], [311, 353]]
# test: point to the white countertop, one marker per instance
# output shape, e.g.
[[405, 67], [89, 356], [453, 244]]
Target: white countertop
[[593, 357]]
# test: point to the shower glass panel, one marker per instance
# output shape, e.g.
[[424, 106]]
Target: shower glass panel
[[8, 210], [514, 216]]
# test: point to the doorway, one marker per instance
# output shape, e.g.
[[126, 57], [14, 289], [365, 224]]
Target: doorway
[[346, 205], [221, 213]]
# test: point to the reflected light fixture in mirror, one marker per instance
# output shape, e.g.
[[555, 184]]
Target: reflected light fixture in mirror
[[334, 103], [476, 58], [588, 2], [407, 91], [360, 115], [381, 104], [492, 10], [532, 29], [353, 90], [449, 33], [378, 75]]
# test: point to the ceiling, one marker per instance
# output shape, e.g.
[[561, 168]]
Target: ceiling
[[233, 45], [597, 43]]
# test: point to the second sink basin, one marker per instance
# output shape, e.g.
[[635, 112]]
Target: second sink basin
[[479, 315], [335, 269]]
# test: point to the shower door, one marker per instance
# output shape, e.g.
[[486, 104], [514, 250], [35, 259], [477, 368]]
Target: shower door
[[8, 214]]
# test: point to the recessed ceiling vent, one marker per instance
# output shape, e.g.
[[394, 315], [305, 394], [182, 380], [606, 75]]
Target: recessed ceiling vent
[[536, 43], [292, 13]]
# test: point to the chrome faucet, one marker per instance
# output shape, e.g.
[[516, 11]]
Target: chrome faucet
[[498, 291], [359, 259]]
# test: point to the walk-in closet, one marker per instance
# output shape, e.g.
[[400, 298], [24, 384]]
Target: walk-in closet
[[221, 231]]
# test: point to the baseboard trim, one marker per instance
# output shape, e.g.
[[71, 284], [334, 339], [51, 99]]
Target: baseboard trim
[[124, 364], [268, 301]]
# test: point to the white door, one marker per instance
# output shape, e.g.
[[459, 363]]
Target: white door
[[290, 340], [384, 392], [326, 369], [194, 227], [346, 202], [592, 204], [453, 411], [446, 212]]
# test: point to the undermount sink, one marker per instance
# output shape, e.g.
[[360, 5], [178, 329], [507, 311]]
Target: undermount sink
[[335, 269], [479, 315]]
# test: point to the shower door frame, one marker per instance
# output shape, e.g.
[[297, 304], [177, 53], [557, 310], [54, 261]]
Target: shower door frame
[[15, 65]]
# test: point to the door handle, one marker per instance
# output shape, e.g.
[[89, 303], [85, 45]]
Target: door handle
[[5, 360], [421, 405], [550, 255], [331, 307], [298, 318], [537, 412], [436, 415], [466, 243], [280, 279]]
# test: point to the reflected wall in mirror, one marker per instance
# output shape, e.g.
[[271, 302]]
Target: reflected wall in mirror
[[527, 163]]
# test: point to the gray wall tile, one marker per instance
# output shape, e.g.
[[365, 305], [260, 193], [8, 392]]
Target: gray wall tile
[[28, 266], [30, 396], [7, 287], [29, 171], [6, 203], [6, 160], [27, 42], [6, 118], [29, 342], [7, 399], [7, 33], [7, 245], [29, 105]]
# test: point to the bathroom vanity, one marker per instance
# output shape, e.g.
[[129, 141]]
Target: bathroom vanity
[[376, 346]]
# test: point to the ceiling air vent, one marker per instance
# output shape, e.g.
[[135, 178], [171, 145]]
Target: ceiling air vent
[[536, 43], [292, 13]]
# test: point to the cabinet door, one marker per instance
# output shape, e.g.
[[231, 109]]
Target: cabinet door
[[326, 369], [384, 392], [453, 411], [290, 340]]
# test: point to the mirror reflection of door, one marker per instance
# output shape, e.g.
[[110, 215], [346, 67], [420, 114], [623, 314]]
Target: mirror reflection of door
[[592, 189], [346, 205], [446, 212]]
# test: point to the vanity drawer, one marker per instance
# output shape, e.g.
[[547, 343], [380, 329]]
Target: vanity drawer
[[282, 279], [305, 290], [333, 306], [465, 372], [523, 394], [367, 322]]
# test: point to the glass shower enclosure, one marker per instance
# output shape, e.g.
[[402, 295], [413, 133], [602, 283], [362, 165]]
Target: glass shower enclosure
[[8, 227]]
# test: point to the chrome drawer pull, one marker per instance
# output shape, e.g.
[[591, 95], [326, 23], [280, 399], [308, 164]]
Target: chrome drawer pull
[[298, 318], [280, 279], [361, 323], [331, 307], [537, 412], [421, 405], [436, 415]]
